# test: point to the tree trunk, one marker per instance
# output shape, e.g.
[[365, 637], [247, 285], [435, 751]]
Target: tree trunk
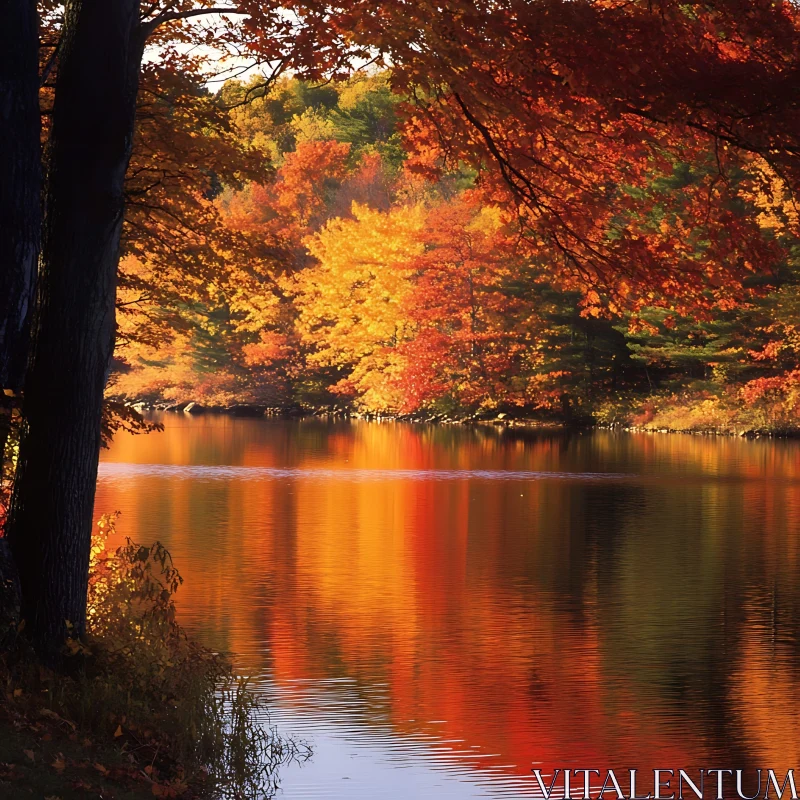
[[20, 187], [50, 522]]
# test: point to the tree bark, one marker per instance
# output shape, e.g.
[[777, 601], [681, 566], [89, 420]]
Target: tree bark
[[50, 522], [20, 187]]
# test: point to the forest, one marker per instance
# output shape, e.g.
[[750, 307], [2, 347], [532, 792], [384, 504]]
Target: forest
[[341, 261]]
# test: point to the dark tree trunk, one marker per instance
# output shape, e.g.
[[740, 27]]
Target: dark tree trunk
[[73, 331], [20, 186]]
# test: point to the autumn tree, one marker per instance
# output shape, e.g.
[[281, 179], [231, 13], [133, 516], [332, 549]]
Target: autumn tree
[[351, 305], [98, 60], [179, 337], [575, 108], [469, 333]]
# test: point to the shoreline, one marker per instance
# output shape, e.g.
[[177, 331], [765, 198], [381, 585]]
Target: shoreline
[[505, 420]]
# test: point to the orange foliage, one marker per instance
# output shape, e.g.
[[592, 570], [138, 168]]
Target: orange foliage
[[610, 171], [467, 340]]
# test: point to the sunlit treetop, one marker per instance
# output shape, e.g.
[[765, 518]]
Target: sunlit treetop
[[575, 112], [581, 107]]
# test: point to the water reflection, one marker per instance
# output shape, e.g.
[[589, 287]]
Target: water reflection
[[440, 609]]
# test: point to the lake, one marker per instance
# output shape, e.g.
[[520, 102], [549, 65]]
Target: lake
[[439, 610]]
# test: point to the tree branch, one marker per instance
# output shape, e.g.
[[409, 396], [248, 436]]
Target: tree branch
[[149, 27]]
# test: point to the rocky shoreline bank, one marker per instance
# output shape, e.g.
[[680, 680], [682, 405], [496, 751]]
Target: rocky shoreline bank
[[339, 412], [500, 419]]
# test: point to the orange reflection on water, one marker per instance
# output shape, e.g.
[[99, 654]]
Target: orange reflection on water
[[583, 601]]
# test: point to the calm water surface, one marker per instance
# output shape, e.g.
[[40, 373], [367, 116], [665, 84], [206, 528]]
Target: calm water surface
[[438, 610]]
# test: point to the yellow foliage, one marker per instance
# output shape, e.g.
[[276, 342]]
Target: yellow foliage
[[313, 126], [350, 304], [488, 220], [359, 87], [777, 209]]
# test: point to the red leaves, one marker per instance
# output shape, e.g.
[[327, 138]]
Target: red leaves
[[578, 108], [306, 178], [463, 318], [644, 154]]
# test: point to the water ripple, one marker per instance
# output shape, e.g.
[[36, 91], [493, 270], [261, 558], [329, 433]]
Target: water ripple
[[119, 471]]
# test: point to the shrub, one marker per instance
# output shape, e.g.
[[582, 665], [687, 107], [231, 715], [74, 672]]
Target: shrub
[[178, 710]]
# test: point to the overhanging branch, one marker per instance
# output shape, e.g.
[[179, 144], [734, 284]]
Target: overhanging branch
[[151, 25]]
